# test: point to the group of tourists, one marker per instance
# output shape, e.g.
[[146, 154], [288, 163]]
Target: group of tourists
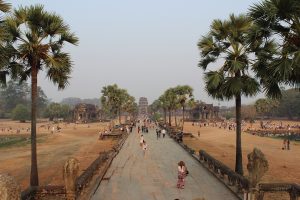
[[182, 171], [160, 132], [11, 130]]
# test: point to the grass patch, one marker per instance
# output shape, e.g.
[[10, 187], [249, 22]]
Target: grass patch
[[18, 140]]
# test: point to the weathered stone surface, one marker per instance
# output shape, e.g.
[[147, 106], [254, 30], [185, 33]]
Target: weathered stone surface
[[257, 166], [154, 176], [71, 170], [9, 189]]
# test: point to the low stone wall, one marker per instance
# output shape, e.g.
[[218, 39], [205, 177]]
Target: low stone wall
[[59, 192], [44, 192], [238, 184], [287, 189], [84, 178]]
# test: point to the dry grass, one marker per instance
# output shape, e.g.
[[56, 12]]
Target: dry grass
[[283, 164], [79, 141]]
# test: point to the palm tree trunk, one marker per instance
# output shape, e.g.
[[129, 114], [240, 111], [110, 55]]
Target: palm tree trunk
[[183, 110], [34, 179], [239, 155], [170, 123]]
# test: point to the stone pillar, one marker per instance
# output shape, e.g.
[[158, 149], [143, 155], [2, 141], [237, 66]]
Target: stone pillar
[[9, 189], [71, 169], [257, 166]]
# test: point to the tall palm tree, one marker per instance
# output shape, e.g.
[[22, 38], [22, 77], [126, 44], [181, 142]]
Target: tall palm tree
[[37, 38], [172, 102], [115, 100], [184, 94], [278, 20], [110, 99], [227, 41], [163, 104]]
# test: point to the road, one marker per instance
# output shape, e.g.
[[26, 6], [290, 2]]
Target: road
[[133, 176]]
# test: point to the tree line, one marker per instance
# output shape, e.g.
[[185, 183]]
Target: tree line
[[115, 101], [171, 100]]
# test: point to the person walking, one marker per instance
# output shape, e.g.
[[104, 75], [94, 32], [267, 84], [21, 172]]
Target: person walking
[[144, 147], [163, 133], [288, 144], [139, 128], [141, 140], [181, 175]]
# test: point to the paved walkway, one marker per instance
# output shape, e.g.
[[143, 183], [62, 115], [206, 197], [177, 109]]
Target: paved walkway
[[153, 177]]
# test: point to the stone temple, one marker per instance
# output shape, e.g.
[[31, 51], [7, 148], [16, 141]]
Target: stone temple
[[143, 106]]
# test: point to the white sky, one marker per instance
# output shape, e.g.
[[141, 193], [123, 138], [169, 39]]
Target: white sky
[[143, 46]]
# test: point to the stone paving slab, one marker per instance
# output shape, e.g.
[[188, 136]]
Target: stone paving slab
[[153, 177]]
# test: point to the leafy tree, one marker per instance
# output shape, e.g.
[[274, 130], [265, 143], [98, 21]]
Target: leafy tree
[[65, 111], [227, 40], [265, 106], [155, 109], [42, 101], [249, 112], [14, 94], [56, 110], [289, 105], [277, 20], [37, 38], [20, 112], [130, 105], [53, 111], [184, 94], [115, 100]]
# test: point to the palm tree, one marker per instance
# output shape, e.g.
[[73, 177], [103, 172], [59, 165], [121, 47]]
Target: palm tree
[[278, 20], [110, 99], [115, 100], [164, 106], [227, 41], [37, 38], [184, 94], [172, 102]]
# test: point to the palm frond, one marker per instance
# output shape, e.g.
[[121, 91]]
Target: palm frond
[[4, 7]]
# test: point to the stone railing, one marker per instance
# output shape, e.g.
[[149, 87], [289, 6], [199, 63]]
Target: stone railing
[[238, 184], [292, 189], [224, 172], [84, 178], [32, 193], [59, 192]]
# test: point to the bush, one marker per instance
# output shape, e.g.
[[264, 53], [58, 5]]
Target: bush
[[20, 112]]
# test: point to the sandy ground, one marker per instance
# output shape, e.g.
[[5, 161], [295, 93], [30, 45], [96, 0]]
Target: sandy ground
[[284, 165], [73, 140]]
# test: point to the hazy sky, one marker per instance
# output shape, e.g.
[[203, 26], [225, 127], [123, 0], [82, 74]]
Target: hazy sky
[[143, 46]]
